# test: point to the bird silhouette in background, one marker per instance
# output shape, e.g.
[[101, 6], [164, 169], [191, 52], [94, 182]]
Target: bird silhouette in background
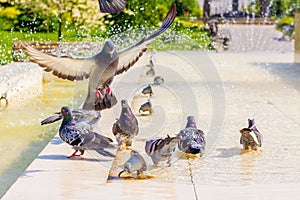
[[192, 139], [146, 108], [99, 69], [147, 90], [251, 137], [112, 6], [158, 80], [80, 137], [126, 127], [161, 149]]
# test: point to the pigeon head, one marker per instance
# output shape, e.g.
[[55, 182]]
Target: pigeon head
[[109, 48], [124, 103], [191, 122], [66, 113]]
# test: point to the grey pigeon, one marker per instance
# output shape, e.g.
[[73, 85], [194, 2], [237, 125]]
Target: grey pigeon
[[150, 72], [161, 149], [99, 69], [192, 139], [112, 6], [146, 108], [148, 90], [251, 137], [126, 127], [158, 80], [3, 101], [136, 162], [80, 137]]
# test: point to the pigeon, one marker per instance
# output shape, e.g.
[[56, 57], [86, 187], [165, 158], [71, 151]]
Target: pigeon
[[86, 118], [251, 137], [126, 127], [136, 162], [158, 80], [112, 6], [150, 72], [101, 68], [146, 108], [161, 149], [192, 139], [148, 90], [80, 137], [3, 101]]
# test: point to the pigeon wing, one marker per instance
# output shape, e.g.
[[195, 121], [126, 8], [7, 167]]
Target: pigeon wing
[[168, 146], [93, 140], [130, 55], [51, 119], [112, 6], [62, 67]]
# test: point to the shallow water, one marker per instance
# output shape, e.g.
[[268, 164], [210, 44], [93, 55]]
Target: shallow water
[[21, 135], [260, 94]]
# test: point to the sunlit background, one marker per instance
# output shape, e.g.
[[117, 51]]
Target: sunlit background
[[249, 25]]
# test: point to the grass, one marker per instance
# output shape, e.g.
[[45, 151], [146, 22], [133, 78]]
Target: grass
[[7, 39]]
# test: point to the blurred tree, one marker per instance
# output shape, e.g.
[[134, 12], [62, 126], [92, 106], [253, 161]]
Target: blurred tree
[[137, 14], [263, 8], [293, 6], [278, 8], [187, 8], [235, 7], [206, 9], [54, 15]]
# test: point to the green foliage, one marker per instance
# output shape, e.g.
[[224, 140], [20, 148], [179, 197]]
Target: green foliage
[[284, 22], [10, 12], [7, 39], [138, 14], [293, 6], [81, 24], [188, 8], [278, 8]]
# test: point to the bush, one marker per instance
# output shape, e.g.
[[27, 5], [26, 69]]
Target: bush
[[285, 21]]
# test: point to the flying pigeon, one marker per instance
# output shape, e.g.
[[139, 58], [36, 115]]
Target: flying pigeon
[[112, 6], [101, 68], [80, 137], [192, 139], [161, 149], [251, 137], [136, 162], [126, 127]]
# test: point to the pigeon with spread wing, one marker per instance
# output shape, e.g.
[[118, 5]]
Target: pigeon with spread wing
[[101, 68]]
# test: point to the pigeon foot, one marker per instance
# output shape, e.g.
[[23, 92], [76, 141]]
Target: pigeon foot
[[99, 94], [108, 91], [74, 154]]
